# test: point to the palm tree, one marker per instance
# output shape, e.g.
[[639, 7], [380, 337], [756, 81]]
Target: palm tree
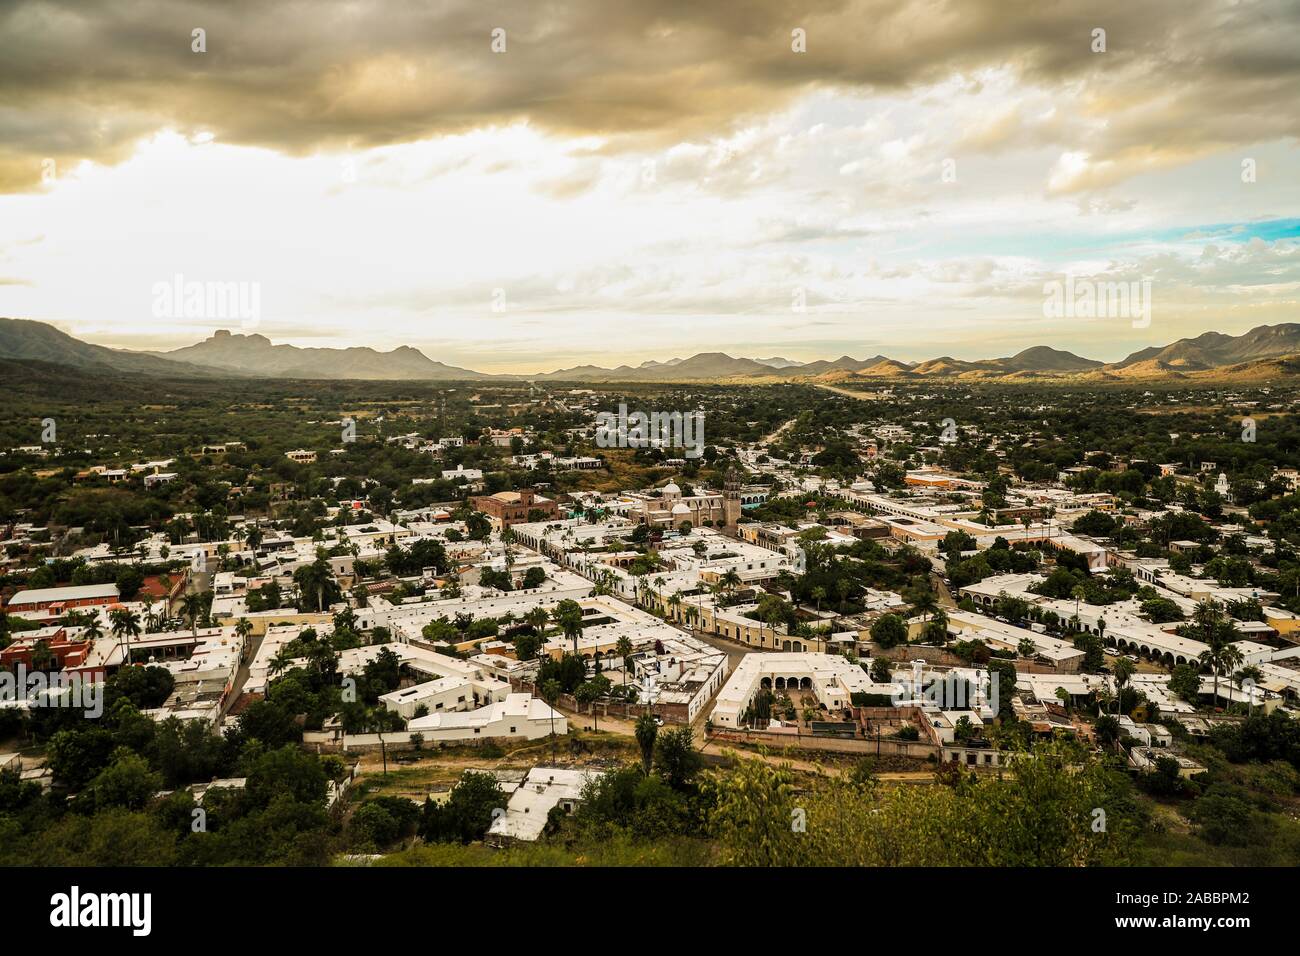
[[568, 615], [537, 618], [1217, 631], [675, 602], [243, 628], [322, 658], [76, 618], [280, 662], [842, 588], [91, 629], [192, 607], [150, 618], [1124, 669], [646, 731], [507, 539], [926, 603], [1078, 592], [730, 580], [126, 624], [1221, 658], [819, 595], [623, 648], [314, 579], [550, 691]]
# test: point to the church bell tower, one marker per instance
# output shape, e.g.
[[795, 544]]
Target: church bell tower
[[731, 499]]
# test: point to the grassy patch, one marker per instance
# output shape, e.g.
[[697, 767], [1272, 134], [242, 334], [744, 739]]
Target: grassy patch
[[619, 851]]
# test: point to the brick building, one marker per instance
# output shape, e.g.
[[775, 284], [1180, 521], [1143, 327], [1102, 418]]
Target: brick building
[[514, 507], [62, 599]]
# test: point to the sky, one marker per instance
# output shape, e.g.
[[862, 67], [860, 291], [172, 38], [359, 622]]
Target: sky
[[518, 187]]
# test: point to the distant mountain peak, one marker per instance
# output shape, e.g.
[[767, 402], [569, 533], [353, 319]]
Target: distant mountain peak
[[1264, 350], [225, 335], [255, 354], [1044, 358], [1213, 349]]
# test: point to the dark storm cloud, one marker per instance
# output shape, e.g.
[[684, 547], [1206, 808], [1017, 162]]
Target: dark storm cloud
[[81, 80]]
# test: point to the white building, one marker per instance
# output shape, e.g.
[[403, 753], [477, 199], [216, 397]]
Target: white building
[[445, 694], [517, 715], [544, 789], [471, 476], [832, 678]]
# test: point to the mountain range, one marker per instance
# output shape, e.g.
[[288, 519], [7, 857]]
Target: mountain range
[[254, 354], [1263, 351]]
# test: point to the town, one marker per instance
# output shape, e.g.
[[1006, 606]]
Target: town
[[367, 621]]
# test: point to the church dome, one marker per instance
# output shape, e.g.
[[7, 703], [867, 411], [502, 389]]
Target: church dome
[[671, 489], [681, 509]]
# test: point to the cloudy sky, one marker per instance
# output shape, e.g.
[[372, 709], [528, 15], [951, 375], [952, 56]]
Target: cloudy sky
[[628, 181]]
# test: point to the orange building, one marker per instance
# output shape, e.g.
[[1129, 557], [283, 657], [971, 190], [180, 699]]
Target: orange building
[[514, 507]]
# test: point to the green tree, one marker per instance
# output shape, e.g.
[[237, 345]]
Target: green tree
[[889, 631], [127, 782], [1185, 682], [623, 648], [646, 732], [192, 608], [126, 625], [550, 691], [587, 693], [567, 615], [753, 814], [467, 814], [1123, 670], [676, 759]]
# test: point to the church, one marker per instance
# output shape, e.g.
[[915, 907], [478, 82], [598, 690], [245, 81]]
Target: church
[[670, 508]]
